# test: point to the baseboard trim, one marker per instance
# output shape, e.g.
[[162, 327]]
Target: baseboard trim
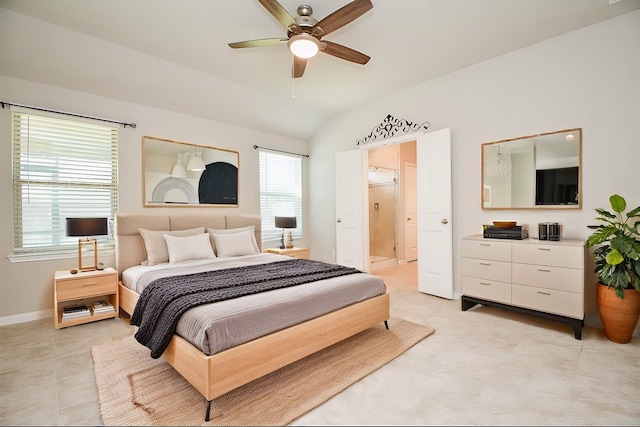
[[25, 317]]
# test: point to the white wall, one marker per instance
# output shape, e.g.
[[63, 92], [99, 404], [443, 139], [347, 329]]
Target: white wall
[[589, 78], [27, 287]]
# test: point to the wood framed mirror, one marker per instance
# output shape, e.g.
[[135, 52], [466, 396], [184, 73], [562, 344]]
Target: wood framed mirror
[[176, 173], [542, 171]]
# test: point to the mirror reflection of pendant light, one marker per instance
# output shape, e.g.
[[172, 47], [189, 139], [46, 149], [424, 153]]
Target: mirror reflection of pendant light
[[499, 165], [178, 170], [195, 163]]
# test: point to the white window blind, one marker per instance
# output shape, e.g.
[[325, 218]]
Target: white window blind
[[280, 192], [61, 168]]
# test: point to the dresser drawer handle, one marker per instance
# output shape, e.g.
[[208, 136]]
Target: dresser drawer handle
[[89, 284], [485, 244], [544, 293], [486, 284], [544, 249], [485, 263], [544, 271]]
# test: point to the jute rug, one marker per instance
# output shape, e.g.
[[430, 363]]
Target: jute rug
[[134, 389]]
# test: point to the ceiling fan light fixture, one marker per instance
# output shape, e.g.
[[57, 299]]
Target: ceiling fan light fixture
[[304, 45]]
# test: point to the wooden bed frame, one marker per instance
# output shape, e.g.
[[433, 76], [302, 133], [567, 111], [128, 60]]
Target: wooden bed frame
[[222, 372]]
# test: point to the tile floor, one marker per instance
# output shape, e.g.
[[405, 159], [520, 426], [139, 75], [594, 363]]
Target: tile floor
[[485, 366]]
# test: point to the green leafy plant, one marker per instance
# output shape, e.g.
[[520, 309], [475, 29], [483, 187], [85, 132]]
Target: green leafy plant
[[617, 256]]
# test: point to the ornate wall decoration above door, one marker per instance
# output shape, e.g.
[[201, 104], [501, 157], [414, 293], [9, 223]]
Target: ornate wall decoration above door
[[390, 126]]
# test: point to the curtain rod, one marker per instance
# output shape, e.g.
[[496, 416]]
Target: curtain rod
[[281, 151], [132, 125]]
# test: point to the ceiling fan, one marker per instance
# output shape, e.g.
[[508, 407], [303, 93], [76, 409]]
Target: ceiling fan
[[304, 33]]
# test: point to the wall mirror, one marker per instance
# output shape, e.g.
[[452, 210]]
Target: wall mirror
[[541, 171], [182, 174]]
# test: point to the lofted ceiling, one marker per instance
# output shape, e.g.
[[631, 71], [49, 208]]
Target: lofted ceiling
[[174, 54]]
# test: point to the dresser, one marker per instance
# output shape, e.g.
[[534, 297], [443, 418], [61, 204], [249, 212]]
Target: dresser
[[537, 277]]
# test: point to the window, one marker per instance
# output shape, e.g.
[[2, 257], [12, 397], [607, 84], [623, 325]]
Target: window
[[280, 192], [61, 168]]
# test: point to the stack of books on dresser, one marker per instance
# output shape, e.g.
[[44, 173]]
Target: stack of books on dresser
[[100, 307], [75, 312]]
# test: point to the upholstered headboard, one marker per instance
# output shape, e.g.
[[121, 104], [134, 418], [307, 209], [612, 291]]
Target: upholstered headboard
[[130, 249]]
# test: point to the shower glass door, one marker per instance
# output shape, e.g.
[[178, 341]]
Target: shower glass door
[[382, 214]]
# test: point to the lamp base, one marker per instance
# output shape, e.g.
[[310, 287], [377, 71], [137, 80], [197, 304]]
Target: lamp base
[[92, 243], [282, 240]]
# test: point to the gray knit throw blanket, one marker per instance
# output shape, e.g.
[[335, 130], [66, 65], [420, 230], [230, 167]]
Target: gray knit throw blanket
[[164, 300]]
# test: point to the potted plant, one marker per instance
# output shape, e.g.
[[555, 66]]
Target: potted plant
[[617, 260]]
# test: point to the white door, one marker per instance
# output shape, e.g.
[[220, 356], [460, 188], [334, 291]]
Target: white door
[[352, 219], [411, 210], [435, 263]]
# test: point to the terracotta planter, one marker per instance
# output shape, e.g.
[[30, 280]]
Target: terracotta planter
[[619, 316]]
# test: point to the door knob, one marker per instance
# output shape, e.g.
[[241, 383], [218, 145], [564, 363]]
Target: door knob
[[339, 220], [445, 221]]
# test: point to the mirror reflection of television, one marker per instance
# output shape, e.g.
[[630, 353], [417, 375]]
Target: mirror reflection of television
[[557, 186]]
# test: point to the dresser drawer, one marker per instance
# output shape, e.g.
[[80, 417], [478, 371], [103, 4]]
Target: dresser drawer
[[486, 269], [543, 276], [555, 255], [486, 249], [564, 303], [83, 287], [487, 289]]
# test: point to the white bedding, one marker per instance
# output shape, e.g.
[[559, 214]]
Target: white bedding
[[215, 327]]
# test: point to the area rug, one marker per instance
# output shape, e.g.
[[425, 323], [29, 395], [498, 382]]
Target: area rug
[[134, 389]]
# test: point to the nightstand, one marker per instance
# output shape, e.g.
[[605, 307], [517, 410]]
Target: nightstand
[[84, 288], [292, 252]]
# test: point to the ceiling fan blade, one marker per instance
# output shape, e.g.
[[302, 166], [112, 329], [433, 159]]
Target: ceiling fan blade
[[343, 16], [299, 64], [257, 43], [343, 52], [279, 12]]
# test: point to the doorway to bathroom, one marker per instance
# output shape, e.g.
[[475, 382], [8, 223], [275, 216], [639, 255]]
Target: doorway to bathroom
[[383, 199], [391, 202]]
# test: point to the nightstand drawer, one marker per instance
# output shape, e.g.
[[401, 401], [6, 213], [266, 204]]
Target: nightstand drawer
[[292, 252], [84, 287]]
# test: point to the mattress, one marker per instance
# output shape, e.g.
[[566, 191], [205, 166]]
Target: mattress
[[215, 327]]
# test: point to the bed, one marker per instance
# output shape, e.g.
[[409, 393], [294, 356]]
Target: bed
[[213, 370]]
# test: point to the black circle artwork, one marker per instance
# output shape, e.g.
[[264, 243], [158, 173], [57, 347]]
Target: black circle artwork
[[219, 184]]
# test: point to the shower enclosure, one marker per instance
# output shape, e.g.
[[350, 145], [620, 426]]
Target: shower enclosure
[[383, 194]]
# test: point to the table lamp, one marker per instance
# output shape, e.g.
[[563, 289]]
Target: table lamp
[[286, 222], [84, 228]]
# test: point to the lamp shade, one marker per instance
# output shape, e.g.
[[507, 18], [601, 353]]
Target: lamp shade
[[304, 45], [84, 227], [178, 170], [286, 222], [195, 163]]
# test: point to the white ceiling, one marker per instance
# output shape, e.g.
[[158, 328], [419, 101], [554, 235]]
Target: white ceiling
[[409, 42]]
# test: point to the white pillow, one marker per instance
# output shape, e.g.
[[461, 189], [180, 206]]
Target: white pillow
[[156, 246], [189, 247], [251, 228], [234, 244]]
